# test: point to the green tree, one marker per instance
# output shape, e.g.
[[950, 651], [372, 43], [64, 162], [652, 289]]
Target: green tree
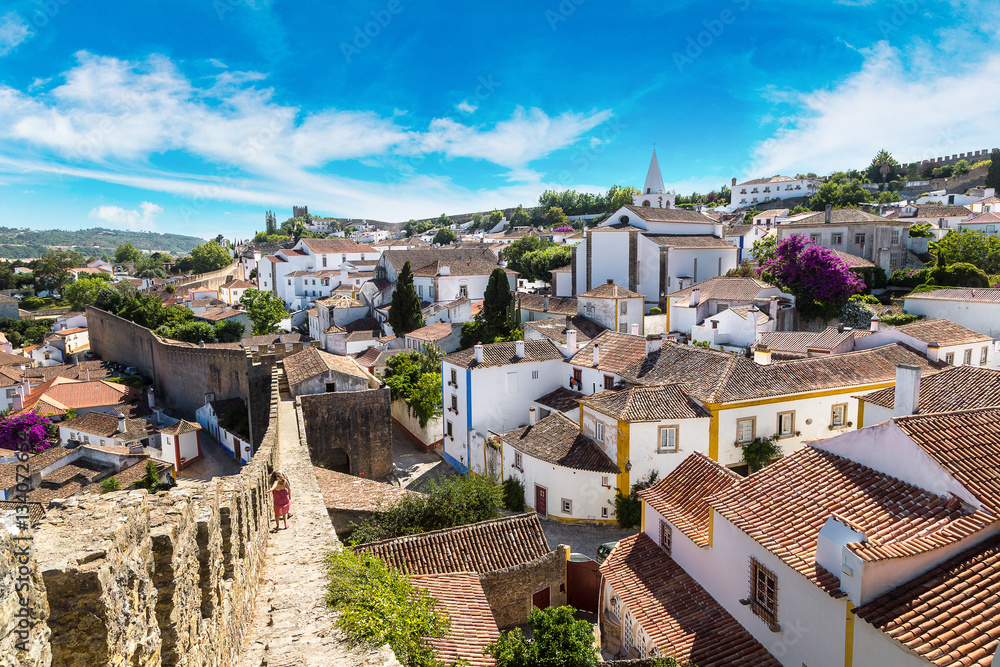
[[443, 221], [189, 332], [265, 310], [558, 640], [515, 251], [150, 481], [444, 236], [110, 484], [970, 247], [765, 249], [962, 167], [495, 218], [83, 291], [498, 320], [52, 269], [229, 331], [209, 256], [415, 377], [993, 171], [882, 167], [519, 217], [404, 310], [270, 223], [112, 298], [619, 196], [554, 216], [127, 254], [538, 264]]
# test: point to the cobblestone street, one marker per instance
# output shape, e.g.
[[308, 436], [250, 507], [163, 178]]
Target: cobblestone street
[[582, 538]]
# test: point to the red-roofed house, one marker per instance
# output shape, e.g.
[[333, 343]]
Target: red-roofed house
[[324, 260]]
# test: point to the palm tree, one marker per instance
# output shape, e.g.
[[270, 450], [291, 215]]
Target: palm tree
[[883, 162]]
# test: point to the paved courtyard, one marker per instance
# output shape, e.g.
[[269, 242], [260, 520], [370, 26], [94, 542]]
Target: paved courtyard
[[413, 466], [215, 461], [582, 538]]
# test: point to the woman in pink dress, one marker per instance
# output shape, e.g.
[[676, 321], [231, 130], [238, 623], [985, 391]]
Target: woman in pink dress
[[282, 499]]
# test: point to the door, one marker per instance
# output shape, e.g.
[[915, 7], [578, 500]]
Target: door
[[541, 599], [583, 584], [541, 505]]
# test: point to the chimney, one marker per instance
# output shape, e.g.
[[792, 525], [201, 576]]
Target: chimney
[[695, 298], [635, 328], [121, 423], [150, 400], [754, 314], [840, 328], [76, 360], [87, 374], [479, 352], [531, 417], [597, 355], [519, 349], [734, 182], [933, 351], [201, 343], [611, 281], [874, 326], [545, 303], [829, 213], [906, 399], [571, 341], [762, 354]]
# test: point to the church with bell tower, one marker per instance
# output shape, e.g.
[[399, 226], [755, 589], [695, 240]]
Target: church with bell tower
[[653, 193]]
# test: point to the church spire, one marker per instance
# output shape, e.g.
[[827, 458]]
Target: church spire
[[654, 180]]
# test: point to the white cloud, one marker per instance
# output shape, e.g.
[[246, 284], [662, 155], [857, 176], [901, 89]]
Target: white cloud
[[13, 31], [465, 107], [914, 113], [141, 219]]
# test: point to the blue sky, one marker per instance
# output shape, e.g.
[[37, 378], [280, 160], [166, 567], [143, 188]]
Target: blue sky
[[196, 116]]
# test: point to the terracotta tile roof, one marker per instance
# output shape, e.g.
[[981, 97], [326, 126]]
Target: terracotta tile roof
[[744, 313], [98, 371], [556, 327], [310, 362], [725, 289], [557, 439], [334, 245], [784, 506], [800, 342], [561, 399], [503, 354], [737, 230], [763, 181], [44, 458], [61, 393], [559, 305], [955, 388], [989, 217], [688, 241], [341, 300], [931, 211], [69, 332], [104, 425], [481, 547], [460, 261], [720, 377], [669, 214], [181, 427], [853, 261], [472, 625], [843, 216], [373, 356], [431, 332], [217, 314], [946, 615], [943, 332], [347, 492], [646, 403], [7, 359], [36, 511], [238, 284], [682, 496], [681, 618], [618, 352], [610, 291]]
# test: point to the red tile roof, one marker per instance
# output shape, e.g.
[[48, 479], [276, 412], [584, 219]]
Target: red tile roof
[[347, 492], [432, 332], [955, 388], [682, 496], [618, 352], [557, 439], [472, 626], [503, 354], [943, 332], [679, 616], [610, 291], [310, 362], [646, 403]]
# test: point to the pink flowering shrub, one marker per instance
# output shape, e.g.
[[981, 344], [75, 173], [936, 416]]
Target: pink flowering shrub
[[27, 432], [821, 282]]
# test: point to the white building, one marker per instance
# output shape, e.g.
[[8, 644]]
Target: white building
[[938, 216], [989, 202], [613, 307], [987, 223], [232, 291], [940, 340], [210, 417], [653, 193], [959, 388], [973, 308], [776, 188], [317, 265], [689, 307], [733, 329]]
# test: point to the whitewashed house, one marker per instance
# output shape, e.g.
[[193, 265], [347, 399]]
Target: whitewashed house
[[232, 291], [988, 223], [613, 307], [776, 188], [940, 340], [956, 388], [733, 329], [691, 306], [976, 309], [211, 415], [318, 267]]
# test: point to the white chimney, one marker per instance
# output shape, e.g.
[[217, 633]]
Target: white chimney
[[150, 399], [635, 328], [829, 213], [121, 423], [597, 355], [754, 314], [519, 349], [545, 303], [444, 271], [87, 374], [479, 352], [531, 417], [933, 351], [906, 399], [762, 354], [695, 298], [571, 341], [874, 326]]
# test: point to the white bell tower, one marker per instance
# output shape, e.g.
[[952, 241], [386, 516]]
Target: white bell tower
[[653, 193]]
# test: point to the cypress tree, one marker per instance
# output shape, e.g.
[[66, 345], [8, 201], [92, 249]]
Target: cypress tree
[[404, 310], [498, 305], [993, 172]]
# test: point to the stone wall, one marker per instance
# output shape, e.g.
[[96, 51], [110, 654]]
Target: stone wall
[[136, 579], [357, 422], [211, 280], [24, 610], [509, 591]]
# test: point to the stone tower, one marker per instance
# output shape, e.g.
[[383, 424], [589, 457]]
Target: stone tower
[[653, 193]]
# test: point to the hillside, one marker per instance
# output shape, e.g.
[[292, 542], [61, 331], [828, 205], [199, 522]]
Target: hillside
[[29, 243]]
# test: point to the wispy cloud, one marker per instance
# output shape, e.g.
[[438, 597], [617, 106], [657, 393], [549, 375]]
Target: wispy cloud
[[141, 219], [13, 31]]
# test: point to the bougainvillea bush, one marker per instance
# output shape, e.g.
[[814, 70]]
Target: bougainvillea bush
[[821, 282], [27, 432]]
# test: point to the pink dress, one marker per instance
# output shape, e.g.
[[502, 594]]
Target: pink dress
[[282, 502]]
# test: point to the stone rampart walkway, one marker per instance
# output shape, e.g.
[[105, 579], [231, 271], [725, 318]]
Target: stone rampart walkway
[[291, 625]]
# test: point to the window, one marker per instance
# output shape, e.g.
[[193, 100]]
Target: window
[[605, 482], [577, 379], [668, 439], [289, 281], [836, 239], [624, 308], [604, 512], [454, 377], [512, 382], [623, 328], [816, 238], [859, 239], [746, 429], [324, 260], [949, 358], [463, 292], [982, 355], [314, 281], [420, 290], [331, 387], [609, 382], [534, 375], [666, 536], [838, 416], [967, 358], [599, 432], [616, 606], [519, 461], [447, 430], [786, 424], [86, 439], [895, 237], [763, 592], [454, 403], [567, 506]]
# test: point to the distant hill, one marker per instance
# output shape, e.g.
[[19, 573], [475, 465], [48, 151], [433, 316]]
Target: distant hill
[[30, 244]]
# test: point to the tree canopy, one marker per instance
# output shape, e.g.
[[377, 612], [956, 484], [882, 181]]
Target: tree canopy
[[558, 640], [821, 282], [498, 320], [127, 254], [83, 291], [415, 377], [970, 246], [993, 171], [444, 236], [265, 310], [210, 256], [404, 310]]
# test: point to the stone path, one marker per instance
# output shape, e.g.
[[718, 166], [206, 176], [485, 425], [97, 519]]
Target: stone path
[[412, 466], [292, 625]]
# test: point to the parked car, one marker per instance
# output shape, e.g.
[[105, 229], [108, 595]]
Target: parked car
[[131, 370], [604, 551]]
